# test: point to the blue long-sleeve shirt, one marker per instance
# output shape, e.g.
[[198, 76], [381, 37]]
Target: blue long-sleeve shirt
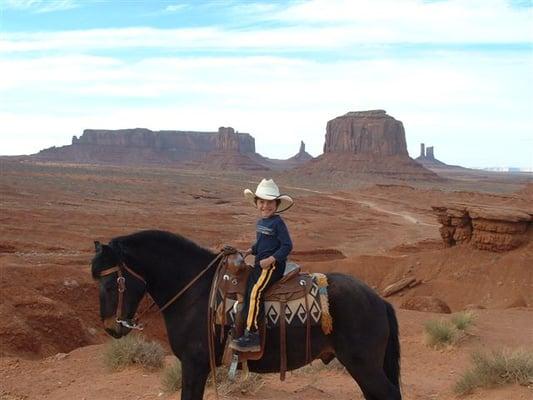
[[273, 239]]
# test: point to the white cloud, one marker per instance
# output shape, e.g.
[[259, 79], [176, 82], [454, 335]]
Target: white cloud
[[41, 6], [341, 24], [172, 8]]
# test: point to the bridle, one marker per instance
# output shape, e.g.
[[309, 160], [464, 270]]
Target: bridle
[[121, 287]]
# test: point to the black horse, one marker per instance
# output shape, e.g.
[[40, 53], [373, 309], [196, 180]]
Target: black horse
[[365, 329]]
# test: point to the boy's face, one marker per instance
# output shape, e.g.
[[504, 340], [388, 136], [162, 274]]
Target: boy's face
[[266, 208]]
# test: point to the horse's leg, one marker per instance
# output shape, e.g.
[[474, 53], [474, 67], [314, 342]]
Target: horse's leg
[[373, 382], [193, 377]]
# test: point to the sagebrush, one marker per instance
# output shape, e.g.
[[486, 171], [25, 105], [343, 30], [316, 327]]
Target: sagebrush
[[497, 368], [133, 349], [439, 332], [249, 384], [318, 365], [463, 320], [172, 378]]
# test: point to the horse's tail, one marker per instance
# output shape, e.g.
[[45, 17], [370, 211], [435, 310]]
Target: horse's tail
[[391, 364]]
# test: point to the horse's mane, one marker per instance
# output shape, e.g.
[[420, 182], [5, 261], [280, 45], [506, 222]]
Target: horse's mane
[[158, 238]]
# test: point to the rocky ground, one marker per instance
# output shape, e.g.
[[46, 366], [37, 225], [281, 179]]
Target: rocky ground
[[381, 232]]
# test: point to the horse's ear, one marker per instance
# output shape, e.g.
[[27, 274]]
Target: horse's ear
[[97, 246]]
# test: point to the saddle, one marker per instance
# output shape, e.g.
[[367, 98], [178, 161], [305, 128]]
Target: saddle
[[292, 301]]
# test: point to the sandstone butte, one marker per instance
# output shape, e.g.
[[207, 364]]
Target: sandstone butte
[[367, 142]]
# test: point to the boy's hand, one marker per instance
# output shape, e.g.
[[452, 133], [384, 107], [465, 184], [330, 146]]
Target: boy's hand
[[267, 262]]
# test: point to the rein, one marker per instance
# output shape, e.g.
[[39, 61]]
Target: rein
[[121, 286]]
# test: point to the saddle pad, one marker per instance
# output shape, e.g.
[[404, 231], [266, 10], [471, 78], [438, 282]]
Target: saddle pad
[[295, 310]]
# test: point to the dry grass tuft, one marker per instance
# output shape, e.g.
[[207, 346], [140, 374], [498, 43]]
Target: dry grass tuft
[[249, 385], [463, 320], [318, 365], [171, 381], [439, 333], [133, 349], [497, 368]]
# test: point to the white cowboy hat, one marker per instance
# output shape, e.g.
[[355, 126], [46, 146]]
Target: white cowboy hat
[[268, 190]]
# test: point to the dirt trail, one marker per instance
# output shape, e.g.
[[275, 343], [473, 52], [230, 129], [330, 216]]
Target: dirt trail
[[404, 214]]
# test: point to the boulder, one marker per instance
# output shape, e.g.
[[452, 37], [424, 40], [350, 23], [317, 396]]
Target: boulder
[[426, 304]]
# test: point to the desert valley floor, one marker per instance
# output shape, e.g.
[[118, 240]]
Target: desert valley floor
[[51, 338]]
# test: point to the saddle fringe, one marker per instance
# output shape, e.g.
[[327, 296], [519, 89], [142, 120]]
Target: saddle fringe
[[326, 320]]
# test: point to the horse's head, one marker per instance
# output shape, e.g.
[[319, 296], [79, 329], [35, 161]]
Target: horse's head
[[121, 289]]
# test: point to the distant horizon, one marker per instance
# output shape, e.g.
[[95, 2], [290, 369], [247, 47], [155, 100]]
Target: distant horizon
[[498, 168], [278, 70]]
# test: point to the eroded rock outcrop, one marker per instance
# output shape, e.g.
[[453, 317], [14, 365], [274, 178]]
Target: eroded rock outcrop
[[486, 228]]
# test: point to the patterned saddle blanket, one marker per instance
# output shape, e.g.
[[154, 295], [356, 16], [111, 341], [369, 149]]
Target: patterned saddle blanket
[[296, 297]]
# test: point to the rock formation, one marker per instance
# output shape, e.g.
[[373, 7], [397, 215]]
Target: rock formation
[[138, 146], [366, 132], [427, 157], [177, 142], [299, 159], [227, 140], [302, 155], [486, 228], [366, 142], [230, 153]]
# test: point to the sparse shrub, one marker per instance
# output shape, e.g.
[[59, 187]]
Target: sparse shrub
[[439, 332], [172, 377], [242, 385], [463, 320], [133, 349], [249, 384], [496, 368], [318, 365]]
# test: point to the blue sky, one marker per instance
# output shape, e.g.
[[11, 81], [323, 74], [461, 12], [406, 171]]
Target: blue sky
[[457, 73]]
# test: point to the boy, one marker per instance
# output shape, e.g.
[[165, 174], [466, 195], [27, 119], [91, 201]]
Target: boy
[[272, 246]]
